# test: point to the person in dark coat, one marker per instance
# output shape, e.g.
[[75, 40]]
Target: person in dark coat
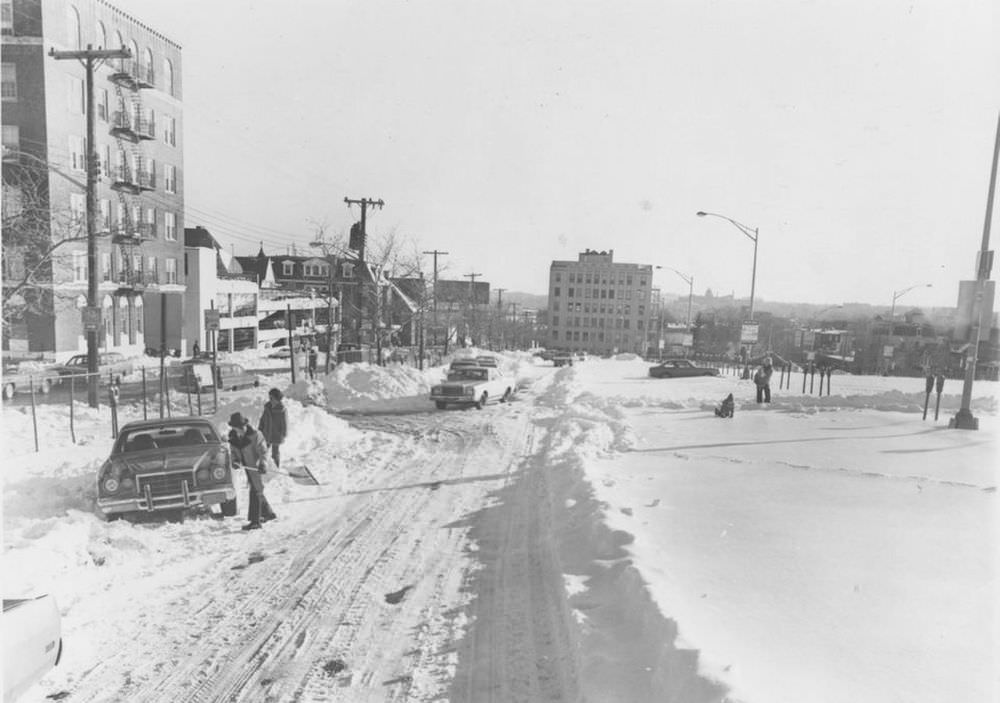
[[250, 451], [313, 358], [273, 423], [763, 381], [728, 407]]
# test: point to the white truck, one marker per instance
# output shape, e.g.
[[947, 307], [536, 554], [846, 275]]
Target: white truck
[[32, 642], [472, 386]]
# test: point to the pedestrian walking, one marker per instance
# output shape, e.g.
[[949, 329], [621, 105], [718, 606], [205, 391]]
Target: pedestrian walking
[[196, 349], [763, 381], [250, 452], [313, 358], [273, 423]]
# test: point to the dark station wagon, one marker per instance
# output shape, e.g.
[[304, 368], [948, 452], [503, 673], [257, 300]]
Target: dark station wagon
[[680, 368], [167, 465]]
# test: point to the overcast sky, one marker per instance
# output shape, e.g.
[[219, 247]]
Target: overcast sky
[[855, 135]]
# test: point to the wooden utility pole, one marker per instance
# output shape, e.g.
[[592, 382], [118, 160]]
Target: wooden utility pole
[[362, 306], [434, 291], [499, 315], [90, 58], [472, 303]]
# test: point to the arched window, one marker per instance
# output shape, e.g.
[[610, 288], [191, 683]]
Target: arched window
[[134, 63], [147, 65], [73, 27], [102, 36], [118, 44], [168, 77]]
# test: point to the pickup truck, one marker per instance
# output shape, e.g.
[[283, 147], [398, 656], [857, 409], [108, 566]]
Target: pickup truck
[[472, 386], [32, 642]]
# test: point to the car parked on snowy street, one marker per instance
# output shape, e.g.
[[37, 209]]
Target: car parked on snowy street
[[472, 386], [167, 465], [680, 368], [16, 380], [109, 365], [32, 642]]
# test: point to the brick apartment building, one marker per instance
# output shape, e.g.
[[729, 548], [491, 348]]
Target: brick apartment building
[[138, 111], [599, 306]]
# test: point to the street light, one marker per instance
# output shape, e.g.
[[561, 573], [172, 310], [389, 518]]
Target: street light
[[753, 235], [690, 281], [896, 294]]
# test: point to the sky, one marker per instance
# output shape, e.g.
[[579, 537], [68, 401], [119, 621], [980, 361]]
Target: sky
[[855, 137]]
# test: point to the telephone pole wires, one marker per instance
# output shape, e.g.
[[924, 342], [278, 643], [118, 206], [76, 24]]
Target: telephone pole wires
[[90, 57]]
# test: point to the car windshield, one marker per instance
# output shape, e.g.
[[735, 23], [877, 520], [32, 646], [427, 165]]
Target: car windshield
[[175, 435], [468, 374], [77, 361]]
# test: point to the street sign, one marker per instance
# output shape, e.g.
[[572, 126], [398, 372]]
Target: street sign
[[212, 320], [887, 351], [748, 334], [91, 319]]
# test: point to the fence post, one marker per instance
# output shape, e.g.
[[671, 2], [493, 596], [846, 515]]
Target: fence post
[[34, 418], [187, 385], [145, 416], [805, 372], [113, 399], [72, 429], [927, 397]]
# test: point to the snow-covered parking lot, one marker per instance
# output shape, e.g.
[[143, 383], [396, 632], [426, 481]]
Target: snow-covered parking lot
[[602, 537]]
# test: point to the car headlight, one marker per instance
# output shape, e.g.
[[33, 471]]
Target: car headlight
[[111, 484], [470, 391], [219, 473]]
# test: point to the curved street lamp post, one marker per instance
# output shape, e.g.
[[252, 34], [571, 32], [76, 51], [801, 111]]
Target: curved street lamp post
[[753, 235]]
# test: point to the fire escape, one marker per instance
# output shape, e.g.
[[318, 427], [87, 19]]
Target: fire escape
[[130, 172]]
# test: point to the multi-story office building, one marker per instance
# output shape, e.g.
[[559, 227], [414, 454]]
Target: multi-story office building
[[599, 306], [140, 202]]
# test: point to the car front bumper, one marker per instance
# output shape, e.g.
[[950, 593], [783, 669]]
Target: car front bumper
[[149, 503]]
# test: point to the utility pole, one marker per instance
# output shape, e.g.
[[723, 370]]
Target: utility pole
[[89, 58], [472, 303], [434, 291], [964, 420], [499, 315], [359, 293]]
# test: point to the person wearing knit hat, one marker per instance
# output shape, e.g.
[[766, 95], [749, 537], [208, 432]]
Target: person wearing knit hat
[[250, 451]]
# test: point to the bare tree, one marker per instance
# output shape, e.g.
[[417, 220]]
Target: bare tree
[[35, 239]]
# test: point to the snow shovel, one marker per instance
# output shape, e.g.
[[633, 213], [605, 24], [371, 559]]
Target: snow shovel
[[301, 475]]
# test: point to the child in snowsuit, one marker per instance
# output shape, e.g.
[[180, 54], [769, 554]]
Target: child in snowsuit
[[727, 408], [273, 423]]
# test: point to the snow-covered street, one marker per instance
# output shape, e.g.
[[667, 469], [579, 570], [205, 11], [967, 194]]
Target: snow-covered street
[[603, 537]]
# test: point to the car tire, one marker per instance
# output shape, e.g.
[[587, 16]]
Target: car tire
[[8, 391], [506, 396], [482, 401], [440, 404], [46, 385], [229, 508]]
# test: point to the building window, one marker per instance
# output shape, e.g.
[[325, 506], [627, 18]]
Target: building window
[[11, 137], [73, 28], [287, 268], [77, 154], [79, 267], [102, 36], [558, 277], [105, 266], [7, 17], [146, 70], [102, 105], [347, 270], [555, 320], [170, 131], [170, 226], [170, 178], [569, 292], [77, 96], [8, 84], [171, 270], [153, 271], [77, 210], [168, 77], [105, 217], [555, 292]]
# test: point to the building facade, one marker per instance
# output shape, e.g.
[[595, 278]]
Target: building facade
[[599, 306], [140, 201]]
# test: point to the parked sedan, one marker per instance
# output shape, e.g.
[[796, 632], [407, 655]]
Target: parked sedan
[[112, 364], [678, 368], [166, 465], [32, 642], [16, 381]]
